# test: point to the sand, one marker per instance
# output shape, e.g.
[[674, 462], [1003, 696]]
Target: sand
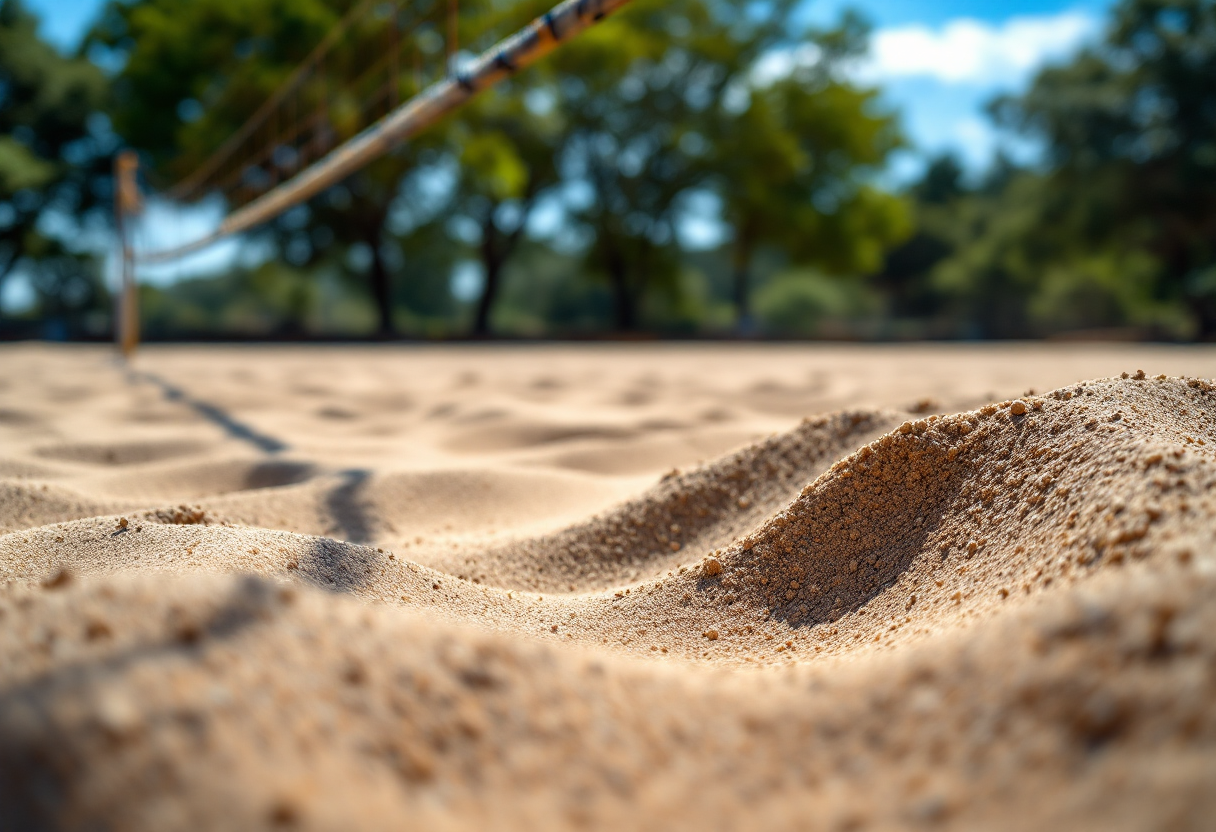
[[618, 586]]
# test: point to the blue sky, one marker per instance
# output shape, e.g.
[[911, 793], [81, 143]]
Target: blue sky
[[937, 61], [940, 62]]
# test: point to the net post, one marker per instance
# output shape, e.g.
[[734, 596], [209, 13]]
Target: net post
[[126, 205]]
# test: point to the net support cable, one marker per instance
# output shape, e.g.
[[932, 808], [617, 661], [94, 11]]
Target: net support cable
[[516, 52], [190, 186]]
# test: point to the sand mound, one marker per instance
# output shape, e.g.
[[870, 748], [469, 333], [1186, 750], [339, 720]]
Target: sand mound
[[234, 703], [25, 505], [936, 523], [683, 517], [999, 618]]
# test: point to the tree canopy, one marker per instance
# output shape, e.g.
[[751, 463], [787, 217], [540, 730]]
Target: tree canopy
[[1116, 226], [650, 108], [689, 166], [53, 164]]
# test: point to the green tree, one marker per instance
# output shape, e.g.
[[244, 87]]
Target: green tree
[[664, 102], [628, 93], [507, 154], [1130, 132], [53, 163], [194, 72], [792, 158], [905, 277]]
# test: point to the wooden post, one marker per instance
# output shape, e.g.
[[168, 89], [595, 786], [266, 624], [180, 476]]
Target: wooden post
[[127, 204]]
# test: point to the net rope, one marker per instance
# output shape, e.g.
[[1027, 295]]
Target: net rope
[[314, 155]]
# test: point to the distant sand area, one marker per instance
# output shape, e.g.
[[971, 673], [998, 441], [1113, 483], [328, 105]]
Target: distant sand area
[[617, 587]]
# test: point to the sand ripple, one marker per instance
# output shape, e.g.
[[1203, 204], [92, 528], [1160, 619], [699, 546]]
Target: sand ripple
[[996, 618]]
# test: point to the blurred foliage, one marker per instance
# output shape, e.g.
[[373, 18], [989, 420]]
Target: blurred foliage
[[793, 161], [798, 303], [1116, 230], [54, 156], [274, 300], [665, 101], [625, 115], [566, 201]]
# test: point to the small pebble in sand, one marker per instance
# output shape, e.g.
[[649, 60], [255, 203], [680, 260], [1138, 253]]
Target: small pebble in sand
[[712, 635], [283, 814], [713, 567], [122, 522], [1017, 407], [59, 580], [96, 630]]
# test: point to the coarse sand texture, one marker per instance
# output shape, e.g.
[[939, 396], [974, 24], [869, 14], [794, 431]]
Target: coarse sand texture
[[618, 587]]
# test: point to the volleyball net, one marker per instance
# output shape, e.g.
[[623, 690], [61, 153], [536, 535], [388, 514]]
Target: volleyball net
[[312, 133]]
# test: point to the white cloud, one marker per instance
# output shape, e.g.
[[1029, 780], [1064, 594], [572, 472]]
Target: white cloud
[[967, 51]]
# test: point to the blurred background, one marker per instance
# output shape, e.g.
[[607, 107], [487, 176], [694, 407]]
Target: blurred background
[[886, 170]]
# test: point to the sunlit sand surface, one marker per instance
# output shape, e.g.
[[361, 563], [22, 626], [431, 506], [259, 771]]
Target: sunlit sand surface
[[627, 586]]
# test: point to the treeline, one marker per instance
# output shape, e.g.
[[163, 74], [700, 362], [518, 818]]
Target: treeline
[[687, 168]]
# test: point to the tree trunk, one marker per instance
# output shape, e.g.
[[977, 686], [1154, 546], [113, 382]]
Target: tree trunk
[[742, 286], [5, 268], [491, 261], [622, 298], [381, 288], [495, 249], [1205, 316]]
